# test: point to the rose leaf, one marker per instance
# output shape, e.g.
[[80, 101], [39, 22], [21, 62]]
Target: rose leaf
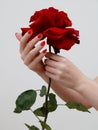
[[78, 106], [31, 127], [40, 111], [52, 103], [43, 91], [25, 100]]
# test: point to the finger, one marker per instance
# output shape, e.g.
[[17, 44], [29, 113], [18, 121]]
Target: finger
[[18, 36], [37, 59], [51, 63], [24, 40], [31, 44], [33, 53], [42, 54], [54, 57], [51, 70], [50, 75]]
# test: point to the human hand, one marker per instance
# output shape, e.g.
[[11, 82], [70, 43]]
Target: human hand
[[30, 54], [64, 71]]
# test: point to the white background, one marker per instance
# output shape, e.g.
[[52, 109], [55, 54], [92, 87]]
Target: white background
[[15, 77]]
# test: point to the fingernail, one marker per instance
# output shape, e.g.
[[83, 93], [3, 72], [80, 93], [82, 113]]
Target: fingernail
[[42, 43], [40, 35], [30, 31], [44, 51]]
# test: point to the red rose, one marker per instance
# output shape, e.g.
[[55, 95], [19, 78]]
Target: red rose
[[54, 25]]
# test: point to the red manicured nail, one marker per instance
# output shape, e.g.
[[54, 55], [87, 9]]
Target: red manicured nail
[[30, 31], [42, 43], [40, 35], [44, 51]]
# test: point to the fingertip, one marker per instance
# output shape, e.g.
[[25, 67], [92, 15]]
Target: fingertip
[[30, 31], [18, 36], [44, 51]]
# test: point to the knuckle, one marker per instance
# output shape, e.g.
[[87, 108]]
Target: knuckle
[[29, 45], [60, 75], [30, 53]]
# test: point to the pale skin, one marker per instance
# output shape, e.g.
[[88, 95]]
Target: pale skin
[[67, 80]]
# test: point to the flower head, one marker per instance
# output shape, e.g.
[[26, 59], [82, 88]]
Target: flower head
[[54, 25]]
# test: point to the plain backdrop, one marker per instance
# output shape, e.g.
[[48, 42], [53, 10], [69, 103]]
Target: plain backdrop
[[15, 77]]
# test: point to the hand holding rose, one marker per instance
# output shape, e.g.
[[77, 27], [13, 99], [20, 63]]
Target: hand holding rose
[[62, 70], [32, 58], [30, 54], [56, 67], [67, 80]]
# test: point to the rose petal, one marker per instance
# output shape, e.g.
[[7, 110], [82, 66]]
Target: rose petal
[[61, 38], [24, 30]]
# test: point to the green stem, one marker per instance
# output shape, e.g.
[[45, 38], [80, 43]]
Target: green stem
[[46, 99], [61, 104]]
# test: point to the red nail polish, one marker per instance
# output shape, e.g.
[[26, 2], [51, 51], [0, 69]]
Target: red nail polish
[[40, 35], [44, 51], [30, 31], [42, 43]]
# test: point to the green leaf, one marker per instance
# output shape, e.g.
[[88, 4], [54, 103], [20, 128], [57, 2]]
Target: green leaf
[[52, 103], [78, 106], [25, 100], [17, 110], [43, 91], [32, 127], [52, 98], [46, 126], [40, 112]]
